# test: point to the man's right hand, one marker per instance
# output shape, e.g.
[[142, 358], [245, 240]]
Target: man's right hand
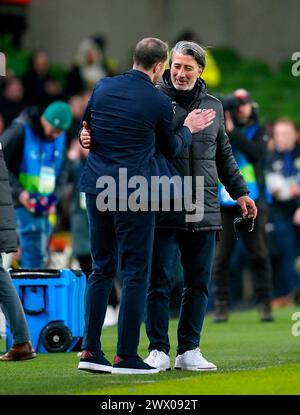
[[85, 135], [198, 120]]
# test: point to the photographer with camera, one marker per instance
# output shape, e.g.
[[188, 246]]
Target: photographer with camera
[[249, 143], [34, 151]]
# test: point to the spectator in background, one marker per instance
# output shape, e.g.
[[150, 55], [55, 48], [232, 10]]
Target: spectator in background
[[40, 88], [249, 141], [90, 66], [9, 300], [34, 147], [11, 102], [283, 180], [110, 63], [13, 19]]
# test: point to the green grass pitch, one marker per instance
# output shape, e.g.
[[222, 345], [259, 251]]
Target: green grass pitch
[[252, 358]]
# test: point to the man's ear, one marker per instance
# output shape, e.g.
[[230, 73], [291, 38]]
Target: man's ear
[[156, 67], [200, 70]]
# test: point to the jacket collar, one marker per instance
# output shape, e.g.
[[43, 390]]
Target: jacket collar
[[139, 74], [192, 98]]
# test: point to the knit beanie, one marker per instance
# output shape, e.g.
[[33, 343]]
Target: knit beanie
[[58, 115]]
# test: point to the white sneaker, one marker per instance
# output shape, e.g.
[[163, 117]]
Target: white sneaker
[[193, 360], [111, 316], [158, 359]]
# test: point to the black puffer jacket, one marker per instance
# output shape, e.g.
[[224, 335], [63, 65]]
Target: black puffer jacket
[[8, 236], [210, 156]]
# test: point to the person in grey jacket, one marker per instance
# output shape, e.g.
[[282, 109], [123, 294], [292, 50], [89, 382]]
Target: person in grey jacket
[[9, 299]]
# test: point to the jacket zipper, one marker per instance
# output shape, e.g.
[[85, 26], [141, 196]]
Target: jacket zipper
[[191, 225]]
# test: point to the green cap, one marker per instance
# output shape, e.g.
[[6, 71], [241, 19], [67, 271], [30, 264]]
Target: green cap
[[58, 115]]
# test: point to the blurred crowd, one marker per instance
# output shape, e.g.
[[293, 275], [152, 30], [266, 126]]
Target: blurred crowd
[[269, 157]]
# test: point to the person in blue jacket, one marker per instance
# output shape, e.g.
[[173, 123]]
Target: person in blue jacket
[[129, 120], [34, 151]]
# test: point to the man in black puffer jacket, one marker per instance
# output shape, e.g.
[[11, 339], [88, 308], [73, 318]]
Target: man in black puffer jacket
[[9, 299], [210, 156]]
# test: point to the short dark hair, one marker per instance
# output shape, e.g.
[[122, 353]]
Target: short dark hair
[[186, 47], [150, 51]]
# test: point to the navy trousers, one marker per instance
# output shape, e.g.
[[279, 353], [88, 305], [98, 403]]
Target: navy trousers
[[126, 237], [197, 252]]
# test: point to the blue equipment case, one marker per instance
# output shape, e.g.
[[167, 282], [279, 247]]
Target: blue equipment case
[[53, 302]]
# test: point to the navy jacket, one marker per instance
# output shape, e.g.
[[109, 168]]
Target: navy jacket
[[131, 126]]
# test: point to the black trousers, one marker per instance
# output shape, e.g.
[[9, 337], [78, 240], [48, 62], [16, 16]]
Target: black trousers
[[256, 244], [197, 253]]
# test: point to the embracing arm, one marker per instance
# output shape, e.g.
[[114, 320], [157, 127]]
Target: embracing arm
[[84, 133], [197, 120], [168, 143]]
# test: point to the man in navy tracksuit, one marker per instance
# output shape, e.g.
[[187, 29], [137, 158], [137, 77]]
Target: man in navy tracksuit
[[129, 120]]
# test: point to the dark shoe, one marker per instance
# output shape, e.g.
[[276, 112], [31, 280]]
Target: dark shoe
[[22, 351], [221, 312], [94, 362], [132, 366], [265, 311]]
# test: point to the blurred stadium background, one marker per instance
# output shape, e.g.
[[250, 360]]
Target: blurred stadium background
[[252, 43]]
